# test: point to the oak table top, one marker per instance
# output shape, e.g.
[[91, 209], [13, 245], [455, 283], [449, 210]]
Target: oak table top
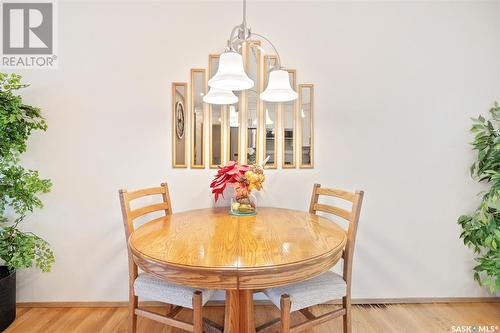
[[208, 248]]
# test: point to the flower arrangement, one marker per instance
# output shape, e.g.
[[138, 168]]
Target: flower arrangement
[[244, 179]]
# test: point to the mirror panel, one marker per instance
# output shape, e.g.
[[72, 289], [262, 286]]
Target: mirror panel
[[179, 125], [289, 128], [271, 126], [306, 97], [215, 120], [233, 130], [252, 56], [270, 119], [198, 90]]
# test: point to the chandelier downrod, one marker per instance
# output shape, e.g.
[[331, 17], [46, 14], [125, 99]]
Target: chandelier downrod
[[244, 13]]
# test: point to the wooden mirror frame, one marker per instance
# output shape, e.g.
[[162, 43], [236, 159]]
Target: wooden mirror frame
[[311, 98], [186, 125], [211, 165], [292, 74], [268, 59], [193, 118], [258, 88]]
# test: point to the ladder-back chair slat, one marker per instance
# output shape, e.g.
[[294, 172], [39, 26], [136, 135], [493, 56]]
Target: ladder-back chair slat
[[348, 196], [346, 215], [148, 209], [145, 192]]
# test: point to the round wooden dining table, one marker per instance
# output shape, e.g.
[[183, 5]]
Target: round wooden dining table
[[209, 248]]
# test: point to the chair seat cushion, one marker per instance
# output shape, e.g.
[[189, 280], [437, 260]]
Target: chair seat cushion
[[154, 289], [321, 289]]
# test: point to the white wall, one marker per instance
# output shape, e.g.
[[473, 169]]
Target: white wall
[[396, 84]]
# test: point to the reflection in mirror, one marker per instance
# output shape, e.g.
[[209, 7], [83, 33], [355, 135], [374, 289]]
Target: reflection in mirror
[[289, 127], [179, 125], [270, 119], [198, 90], [306, 97], [252, 61], [271, 126], [215, 120], [215, 137], [233, 120], [252, 136]]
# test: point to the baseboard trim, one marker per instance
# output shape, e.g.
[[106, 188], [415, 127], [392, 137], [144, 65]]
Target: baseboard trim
[[360, 301]]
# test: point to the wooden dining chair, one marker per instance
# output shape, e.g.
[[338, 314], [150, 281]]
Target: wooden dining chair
[[147, 286], [328, 286]]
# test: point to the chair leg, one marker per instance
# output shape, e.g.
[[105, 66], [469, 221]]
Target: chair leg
[[346, 303], [132, 317], [285, 305], [197, 316]]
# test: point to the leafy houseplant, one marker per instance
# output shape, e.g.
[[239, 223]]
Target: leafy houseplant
[[19, 190], [481, 229]]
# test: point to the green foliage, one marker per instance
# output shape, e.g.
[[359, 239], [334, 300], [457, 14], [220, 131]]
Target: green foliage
[[19, 187], [481, 229], [24, 249], [17, 120]]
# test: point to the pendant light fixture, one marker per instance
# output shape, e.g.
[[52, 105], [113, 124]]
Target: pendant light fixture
[[220, 96], [278, 89], [231, 73]]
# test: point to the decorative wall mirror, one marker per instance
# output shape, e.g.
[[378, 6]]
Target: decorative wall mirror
[[179, 125], [267, 119], [198, 90], [289, 128], [270, 119], [306, 97], [251, 56], [215, 121]]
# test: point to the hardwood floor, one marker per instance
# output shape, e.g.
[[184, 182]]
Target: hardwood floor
[[366, 318]]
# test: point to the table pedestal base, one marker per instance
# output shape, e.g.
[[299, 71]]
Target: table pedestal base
[[239, 312]]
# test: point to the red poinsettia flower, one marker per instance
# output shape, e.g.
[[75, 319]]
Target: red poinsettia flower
[[231, 173]]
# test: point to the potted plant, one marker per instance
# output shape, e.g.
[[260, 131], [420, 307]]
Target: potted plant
[[481, 229], [19, 190]]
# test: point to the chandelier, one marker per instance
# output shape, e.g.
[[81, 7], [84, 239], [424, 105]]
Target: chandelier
[[231, 75]]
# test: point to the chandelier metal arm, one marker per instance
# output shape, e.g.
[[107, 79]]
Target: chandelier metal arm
[[232, 39], [272, 45]]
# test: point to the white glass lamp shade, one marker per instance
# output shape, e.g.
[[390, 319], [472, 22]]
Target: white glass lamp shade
[[231, 74], [278, 88], [220, 96]]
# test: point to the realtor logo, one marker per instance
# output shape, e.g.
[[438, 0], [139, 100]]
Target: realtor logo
[[28, 34]]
